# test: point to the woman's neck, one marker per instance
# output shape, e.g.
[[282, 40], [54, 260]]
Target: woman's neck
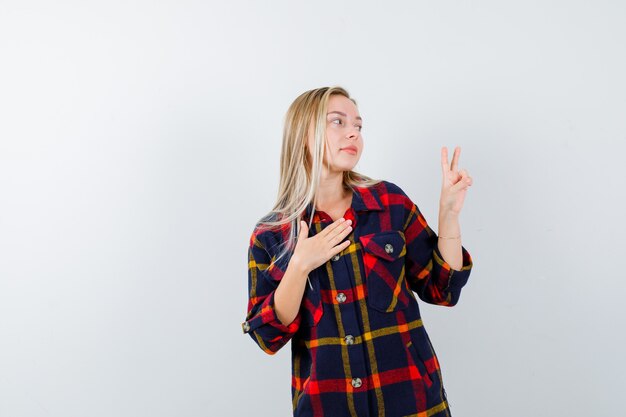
[[332, 196]]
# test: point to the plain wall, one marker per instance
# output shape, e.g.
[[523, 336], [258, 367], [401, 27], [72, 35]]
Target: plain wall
[[140, 143]]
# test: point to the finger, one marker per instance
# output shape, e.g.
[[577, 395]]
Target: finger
[[455, 158], [444, 160], [340, 232], [328, 229], [463, 183], [336, 249], [466, 177], [304, 230]]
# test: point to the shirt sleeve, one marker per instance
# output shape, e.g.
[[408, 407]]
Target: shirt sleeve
[[262, 323], [428, 274]]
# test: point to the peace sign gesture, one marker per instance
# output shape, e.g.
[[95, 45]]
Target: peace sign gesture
[[455, 183]]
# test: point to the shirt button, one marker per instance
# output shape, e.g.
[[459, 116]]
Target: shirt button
[[356, 382], [246, 326], [341, 297], [336, 257], [349, 339], [388, 248]]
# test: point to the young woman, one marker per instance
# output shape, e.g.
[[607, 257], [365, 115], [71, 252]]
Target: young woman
[[333, 267]]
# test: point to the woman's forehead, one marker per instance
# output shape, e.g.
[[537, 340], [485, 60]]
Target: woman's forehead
[[343, 106]]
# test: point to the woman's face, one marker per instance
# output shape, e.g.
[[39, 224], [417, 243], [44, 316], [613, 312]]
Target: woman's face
[[343, 130]]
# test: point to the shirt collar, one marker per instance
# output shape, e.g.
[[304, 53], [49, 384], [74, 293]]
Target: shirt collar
[[363, 199]]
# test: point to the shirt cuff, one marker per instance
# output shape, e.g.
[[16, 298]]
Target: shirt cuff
[[451, 277], [267, 315]]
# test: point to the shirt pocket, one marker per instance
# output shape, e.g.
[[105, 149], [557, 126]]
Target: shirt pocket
[[312, 308], [384, 264], [418, 362]]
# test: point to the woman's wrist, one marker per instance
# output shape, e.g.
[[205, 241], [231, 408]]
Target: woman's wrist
[[449, 227]]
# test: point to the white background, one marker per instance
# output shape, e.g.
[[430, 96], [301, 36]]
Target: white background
[[140, 142]]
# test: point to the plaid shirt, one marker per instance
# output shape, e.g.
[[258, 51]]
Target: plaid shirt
[[359, 347]]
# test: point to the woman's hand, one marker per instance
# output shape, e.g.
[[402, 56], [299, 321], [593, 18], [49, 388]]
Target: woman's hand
[[455, 183], [311, 252]]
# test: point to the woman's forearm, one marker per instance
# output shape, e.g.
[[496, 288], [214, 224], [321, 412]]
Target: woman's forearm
[[450, 248], [289, 293]]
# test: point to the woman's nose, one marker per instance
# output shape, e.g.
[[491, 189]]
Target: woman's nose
[[353, 133]]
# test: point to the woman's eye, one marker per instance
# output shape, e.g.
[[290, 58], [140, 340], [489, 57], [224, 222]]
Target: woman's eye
[[340, 122]]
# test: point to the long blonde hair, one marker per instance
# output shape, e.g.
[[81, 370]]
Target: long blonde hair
[[299, 178]]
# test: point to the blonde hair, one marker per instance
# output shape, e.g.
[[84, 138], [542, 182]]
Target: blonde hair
[[299, 177]]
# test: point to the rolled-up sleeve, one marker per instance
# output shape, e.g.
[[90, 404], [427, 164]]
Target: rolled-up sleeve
[[262, 323], [428, 274]]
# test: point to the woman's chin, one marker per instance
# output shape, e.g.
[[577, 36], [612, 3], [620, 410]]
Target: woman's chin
[[344, 167]]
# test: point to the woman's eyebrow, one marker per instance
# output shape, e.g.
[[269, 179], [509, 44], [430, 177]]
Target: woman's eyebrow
[[343, 114]]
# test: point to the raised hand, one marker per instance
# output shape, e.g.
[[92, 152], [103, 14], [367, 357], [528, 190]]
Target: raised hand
[[455, 183]]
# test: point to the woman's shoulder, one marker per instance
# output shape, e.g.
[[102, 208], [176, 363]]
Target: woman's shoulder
[[268, 233], [389, 187], [393, 187]]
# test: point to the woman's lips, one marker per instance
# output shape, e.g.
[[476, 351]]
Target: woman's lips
[[349, 150]]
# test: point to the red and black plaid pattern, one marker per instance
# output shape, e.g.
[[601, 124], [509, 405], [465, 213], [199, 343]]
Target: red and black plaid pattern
[[358, 344]]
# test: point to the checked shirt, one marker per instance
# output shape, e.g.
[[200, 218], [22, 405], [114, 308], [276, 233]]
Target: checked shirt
[[359, 347]]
